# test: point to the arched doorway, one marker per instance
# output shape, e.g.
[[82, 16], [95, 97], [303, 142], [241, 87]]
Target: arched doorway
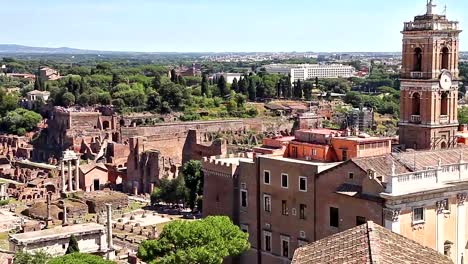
[[445, 59], [417, 60], [443, 145]]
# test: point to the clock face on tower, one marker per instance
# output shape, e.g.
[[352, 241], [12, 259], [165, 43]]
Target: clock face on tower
[[445, 80]]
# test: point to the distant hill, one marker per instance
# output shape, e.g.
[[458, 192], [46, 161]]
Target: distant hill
[[12, 49]]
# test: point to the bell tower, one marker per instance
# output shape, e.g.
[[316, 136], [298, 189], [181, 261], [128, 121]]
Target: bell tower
[[429, 82]]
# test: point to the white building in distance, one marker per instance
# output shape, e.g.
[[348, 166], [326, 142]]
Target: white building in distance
[[311, 71], [229, 77]]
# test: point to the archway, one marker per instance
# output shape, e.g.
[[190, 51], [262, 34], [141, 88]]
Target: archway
[[443, 145], [445, 58], [417, 60]]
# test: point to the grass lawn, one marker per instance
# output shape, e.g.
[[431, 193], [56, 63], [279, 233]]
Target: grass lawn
[[4, 241]]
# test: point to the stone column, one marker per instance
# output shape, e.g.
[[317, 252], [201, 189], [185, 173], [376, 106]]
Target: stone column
[[62, 174], [110, 242], [461, 226], [70, 176], [77, 174], [392, 219], [440, 207], [64, 221]]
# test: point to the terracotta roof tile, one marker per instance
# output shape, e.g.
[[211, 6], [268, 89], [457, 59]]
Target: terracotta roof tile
[[368, 243]]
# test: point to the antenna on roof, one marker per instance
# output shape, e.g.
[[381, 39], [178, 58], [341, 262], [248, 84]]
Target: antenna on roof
[[445, 10]]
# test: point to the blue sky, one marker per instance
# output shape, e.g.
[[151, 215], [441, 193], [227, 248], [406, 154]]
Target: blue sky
[[216, 25]]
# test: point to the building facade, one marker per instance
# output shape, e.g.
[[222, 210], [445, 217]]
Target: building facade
[[311, 71]]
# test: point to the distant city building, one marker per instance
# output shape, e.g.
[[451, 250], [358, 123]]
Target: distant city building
[[311, 71], [49, 74], [229, 77], [22, 75]]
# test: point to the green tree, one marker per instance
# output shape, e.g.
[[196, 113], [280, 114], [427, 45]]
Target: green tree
[[79, 258], [463, 115], [193, 176], [68, 99], [20, 121], [298, 89], [170, 191], [243, 84], [72, 246], [204, 85], [222, 86], [207, 241], [252, 90], [308, 86], [156, 84], [235, 85], [40, 257], [174, 76]]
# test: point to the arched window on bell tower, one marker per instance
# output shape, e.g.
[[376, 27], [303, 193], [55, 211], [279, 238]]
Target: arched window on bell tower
[[417, 60], [416, 103], [445, 59], [444, 104]]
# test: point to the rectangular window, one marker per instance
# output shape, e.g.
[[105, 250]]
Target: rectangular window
[[267, 241], [302, 213], [267, 202], [284, 207], [284, 180], [303, 184], [418, 214], [334, 217], [314, 152], [360, 220], [244, 228], [285, 247], [351, 175], [244, 198], [344, 155], [266, 177]]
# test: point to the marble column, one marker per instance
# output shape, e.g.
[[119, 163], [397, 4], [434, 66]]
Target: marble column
[[461, 226], [440, 207], [392, 219], [65, 220], [77, 174], [110, 242], [62, 174], [70, 176]]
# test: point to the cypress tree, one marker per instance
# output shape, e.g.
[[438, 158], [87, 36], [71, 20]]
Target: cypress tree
[[252, 90], [298, 90], [72, 246], [173, 76], [204, 85], [235, 85], [222, 87]]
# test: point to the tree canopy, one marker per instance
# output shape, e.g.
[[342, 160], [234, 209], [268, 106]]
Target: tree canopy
[[208, 241], [79, 258], [193, 176]]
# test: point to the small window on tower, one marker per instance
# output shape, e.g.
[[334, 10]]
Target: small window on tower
[[417, 60]]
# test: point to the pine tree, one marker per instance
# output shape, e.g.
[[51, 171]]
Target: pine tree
[[204, 85], [72, 246], [308, 91], [235, 85]]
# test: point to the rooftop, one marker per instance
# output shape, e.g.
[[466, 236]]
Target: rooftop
[[368, 243]]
